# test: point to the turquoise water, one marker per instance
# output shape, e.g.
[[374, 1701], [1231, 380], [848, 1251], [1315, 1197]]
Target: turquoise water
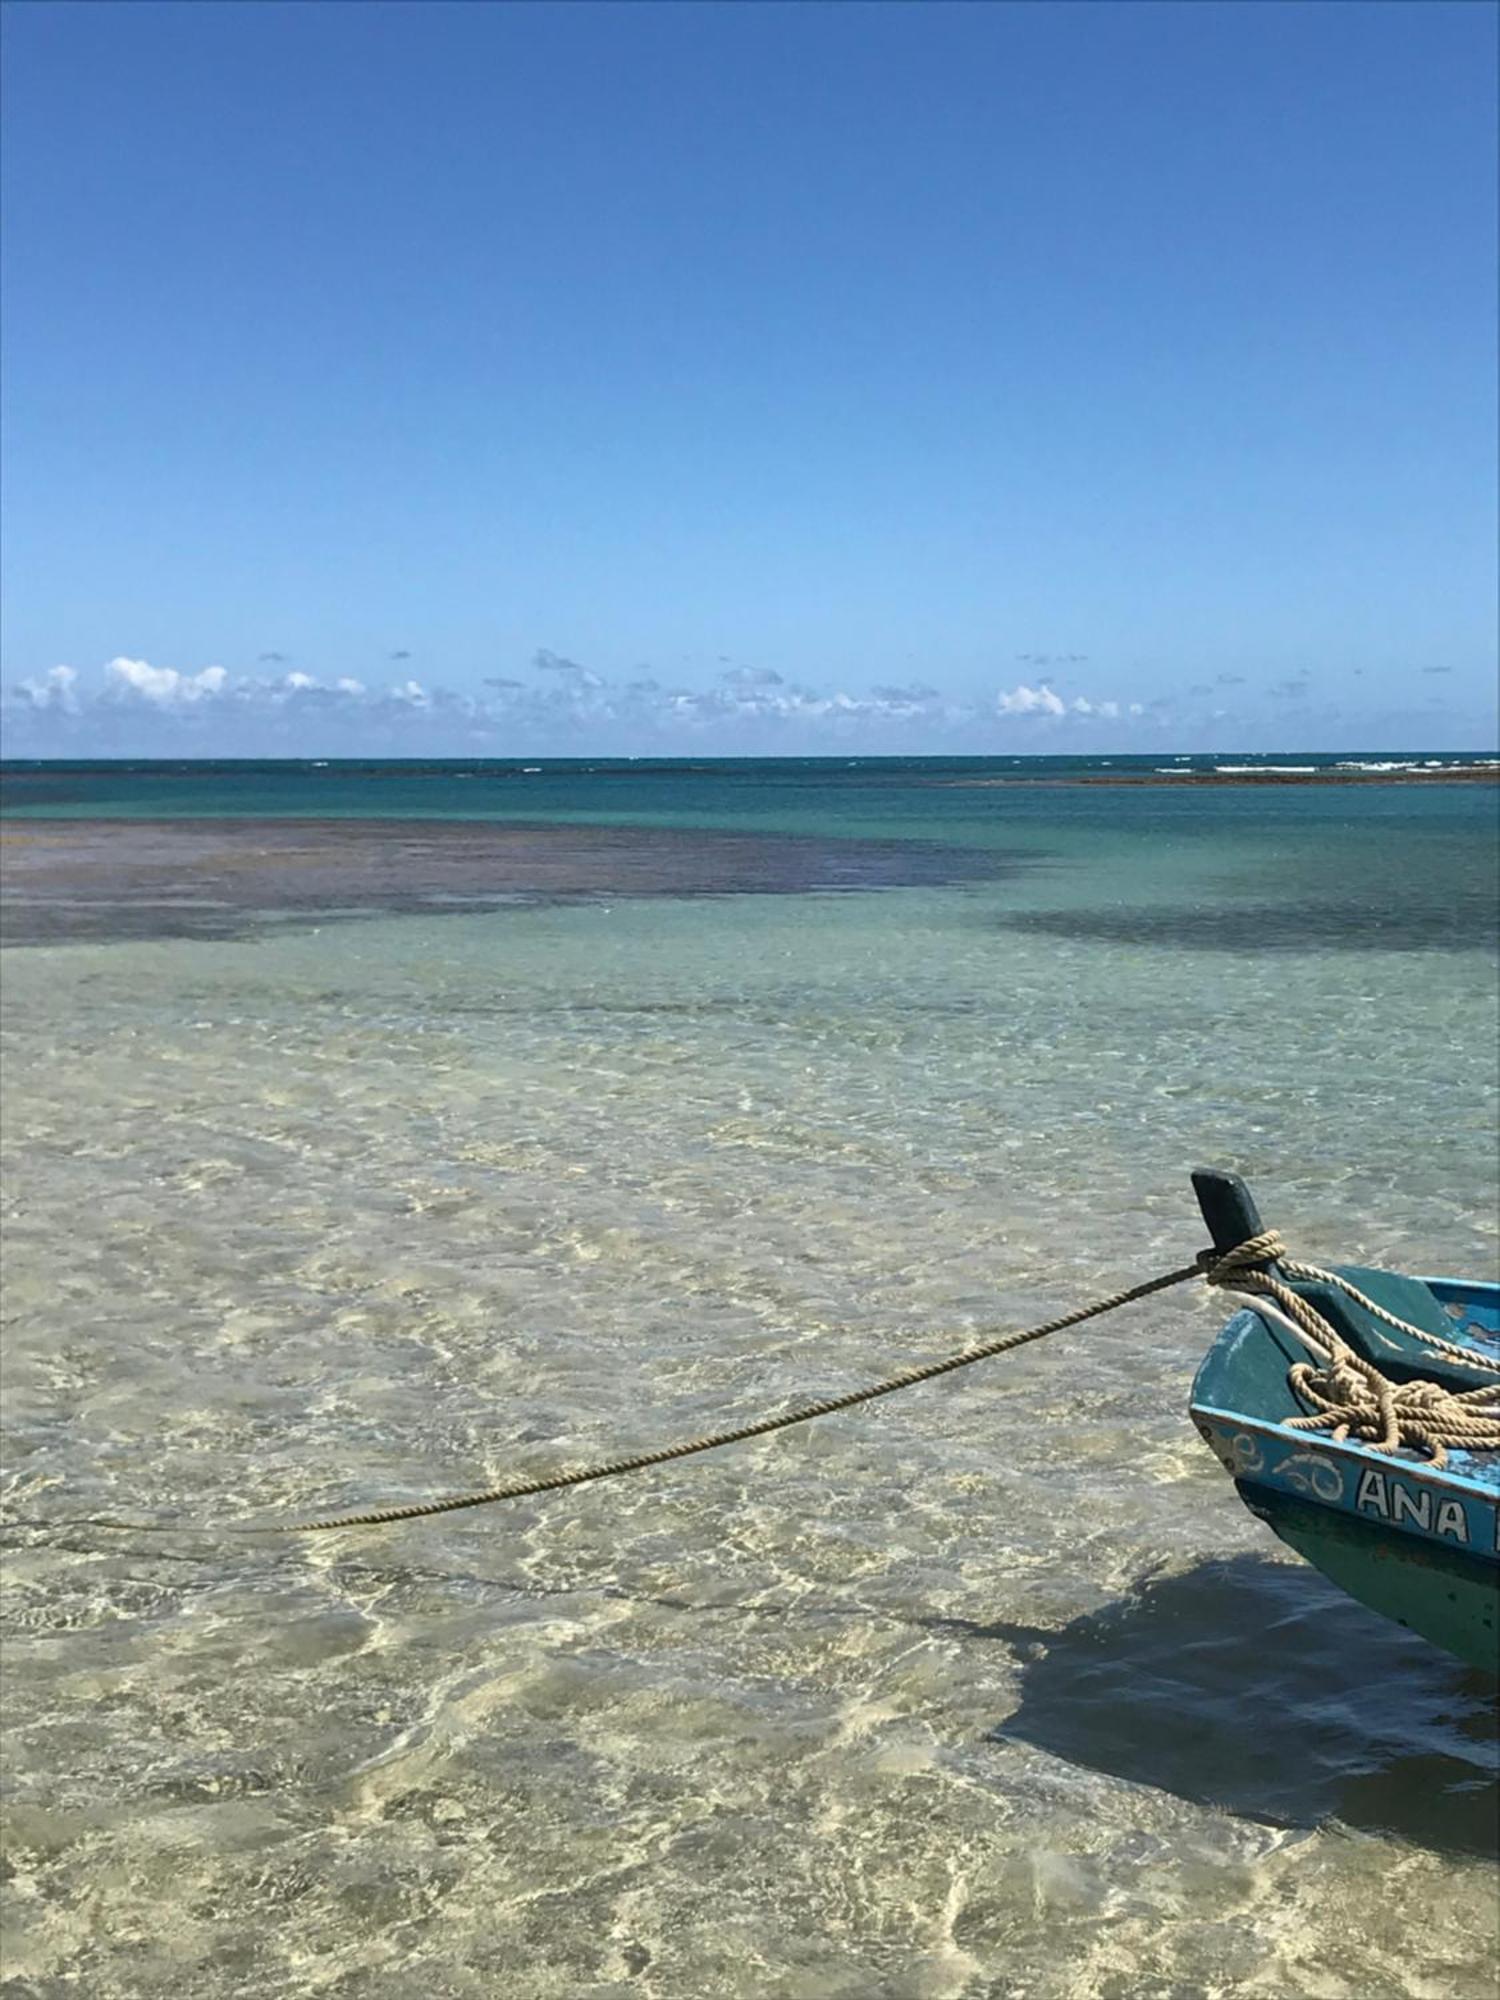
[[928, 797], [1383, 866], [993, 1689]]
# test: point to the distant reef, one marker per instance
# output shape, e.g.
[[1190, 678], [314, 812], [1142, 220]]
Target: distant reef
[[1447, 774]]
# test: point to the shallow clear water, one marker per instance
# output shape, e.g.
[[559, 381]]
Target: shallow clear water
[[993, 1689]]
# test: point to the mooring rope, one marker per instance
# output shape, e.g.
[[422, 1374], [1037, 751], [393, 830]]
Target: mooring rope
[[1349, 1394], [613, 1468]]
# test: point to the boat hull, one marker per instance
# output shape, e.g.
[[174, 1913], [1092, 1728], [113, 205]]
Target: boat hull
[[1418, 1543], [1446, 1596]]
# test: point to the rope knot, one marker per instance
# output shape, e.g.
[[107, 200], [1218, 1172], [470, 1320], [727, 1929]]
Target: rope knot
[[1229, 1267]]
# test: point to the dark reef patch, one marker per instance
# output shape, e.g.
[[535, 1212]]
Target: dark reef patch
[[1458, 921], [95, 881]]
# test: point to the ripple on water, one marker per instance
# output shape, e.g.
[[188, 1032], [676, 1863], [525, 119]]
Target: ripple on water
[[994, 1689]]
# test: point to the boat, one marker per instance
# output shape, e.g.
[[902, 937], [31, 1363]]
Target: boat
[[1410, 1532]]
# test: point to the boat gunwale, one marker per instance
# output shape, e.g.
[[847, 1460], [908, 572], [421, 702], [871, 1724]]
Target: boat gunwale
[[1357, 1452]]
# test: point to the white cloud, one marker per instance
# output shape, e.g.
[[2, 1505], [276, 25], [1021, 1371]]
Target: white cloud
[[140, 709], [1024, 700], [55, 689], [164, 685], [554, 663]]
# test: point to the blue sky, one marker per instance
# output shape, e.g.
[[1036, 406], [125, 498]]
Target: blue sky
[[739, 378]]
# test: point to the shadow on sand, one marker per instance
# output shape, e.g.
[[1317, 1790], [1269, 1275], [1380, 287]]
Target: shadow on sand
[[1250, 1685]]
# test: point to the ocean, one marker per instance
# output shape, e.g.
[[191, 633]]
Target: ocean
[[374, 1131]]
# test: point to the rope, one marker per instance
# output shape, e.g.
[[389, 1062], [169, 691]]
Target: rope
[[613, 1468], [1465, 1356], [1349, 1394]]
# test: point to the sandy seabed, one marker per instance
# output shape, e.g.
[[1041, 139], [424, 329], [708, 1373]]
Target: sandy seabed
[[993, 1692]]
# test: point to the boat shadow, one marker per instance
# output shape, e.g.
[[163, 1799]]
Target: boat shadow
[[1250, 1685]]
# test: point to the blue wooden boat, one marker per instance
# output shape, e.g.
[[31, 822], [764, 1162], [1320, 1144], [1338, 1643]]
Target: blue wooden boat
[[1415, 1540]]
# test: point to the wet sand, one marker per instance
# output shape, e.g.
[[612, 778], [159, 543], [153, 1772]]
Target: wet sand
[[97, 880]]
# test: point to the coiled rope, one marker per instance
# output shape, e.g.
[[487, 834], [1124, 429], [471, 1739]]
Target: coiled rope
[[1349, 1394]]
